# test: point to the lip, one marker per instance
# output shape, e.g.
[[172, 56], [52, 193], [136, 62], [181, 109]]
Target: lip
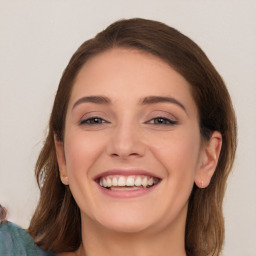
[[125, 172], [126, 193]]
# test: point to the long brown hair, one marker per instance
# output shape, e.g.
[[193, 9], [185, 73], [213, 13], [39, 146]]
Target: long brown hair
[[56, 225]]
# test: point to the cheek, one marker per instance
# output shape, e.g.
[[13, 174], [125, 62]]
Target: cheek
[[179, 154], [81, 152]]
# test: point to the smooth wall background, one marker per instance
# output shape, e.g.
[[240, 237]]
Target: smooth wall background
[[37, 38]]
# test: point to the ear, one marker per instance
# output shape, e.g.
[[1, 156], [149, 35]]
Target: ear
[[59, 146], [208, 160]]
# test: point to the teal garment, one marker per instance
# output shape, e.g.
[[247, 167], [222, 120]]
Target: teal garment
[[15, 241]]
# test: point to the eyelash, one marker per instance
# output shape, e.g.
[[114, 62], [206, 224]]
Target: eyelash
[[93, 121], [163, 121], [155, 121]]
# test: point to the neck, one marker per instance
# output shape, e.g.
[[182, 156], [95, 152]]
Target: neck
[[167, 241]]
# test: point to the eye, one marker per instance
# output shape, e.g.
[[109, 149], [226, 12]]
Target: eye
[[162, 121], [93, 121]]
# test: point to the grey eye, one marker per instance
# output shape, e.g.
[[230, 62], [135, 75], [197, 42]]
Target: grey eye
[[93, 121], [162, 121]]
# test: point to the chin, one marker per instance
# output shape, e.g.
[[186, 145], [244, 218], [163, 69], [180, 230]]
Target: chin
[[126, 221], [125, 226]]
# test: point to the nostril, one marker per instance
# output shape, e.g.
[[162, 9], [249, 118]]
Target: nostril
[[124, 155], [134, 154]]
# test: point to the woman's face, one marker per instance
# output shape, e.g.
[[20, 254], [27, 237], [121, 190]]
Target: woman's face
[[132, 144]]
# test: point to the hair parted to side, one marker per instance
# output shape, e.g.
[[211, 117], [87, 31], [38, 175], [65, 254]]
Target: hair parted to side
[[56, 224]]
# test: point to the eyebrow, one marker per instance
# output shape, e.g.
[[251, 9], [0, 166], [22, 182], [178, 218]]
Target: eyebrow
[[145, 101], [160, 99], [92, 99]]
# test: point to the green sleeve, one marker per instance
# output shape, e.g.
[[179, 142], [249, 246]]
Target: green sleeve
[[15, 241]]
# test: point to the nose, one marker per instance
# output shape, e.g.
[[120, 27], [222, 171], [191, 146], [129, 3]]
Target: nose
[[126, 141]]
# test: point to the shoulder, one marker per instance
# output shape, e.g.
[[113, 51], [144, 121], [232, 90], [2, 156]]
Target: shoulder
[[15, 241]]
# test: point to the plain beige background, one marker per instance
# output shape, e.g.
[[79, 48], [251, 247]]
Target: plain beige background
[[37, 39]]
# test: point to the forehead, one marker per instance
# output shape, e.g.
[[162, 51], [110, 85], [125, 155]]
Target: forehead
[[123, 74]]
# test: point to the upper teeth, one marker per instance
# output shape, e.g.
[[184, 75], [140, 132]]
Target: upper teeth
[[130, 181]]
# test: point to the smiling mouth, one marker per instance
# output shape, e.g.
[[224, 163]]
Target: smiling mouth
[[131, 182]]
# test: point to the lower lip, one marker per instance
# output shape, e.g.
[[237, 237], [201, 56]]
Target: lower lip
[[127, 193]]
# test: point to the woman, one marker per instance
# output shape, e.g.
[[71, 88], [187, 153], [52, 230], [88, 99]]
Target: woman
[[141, 140]]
